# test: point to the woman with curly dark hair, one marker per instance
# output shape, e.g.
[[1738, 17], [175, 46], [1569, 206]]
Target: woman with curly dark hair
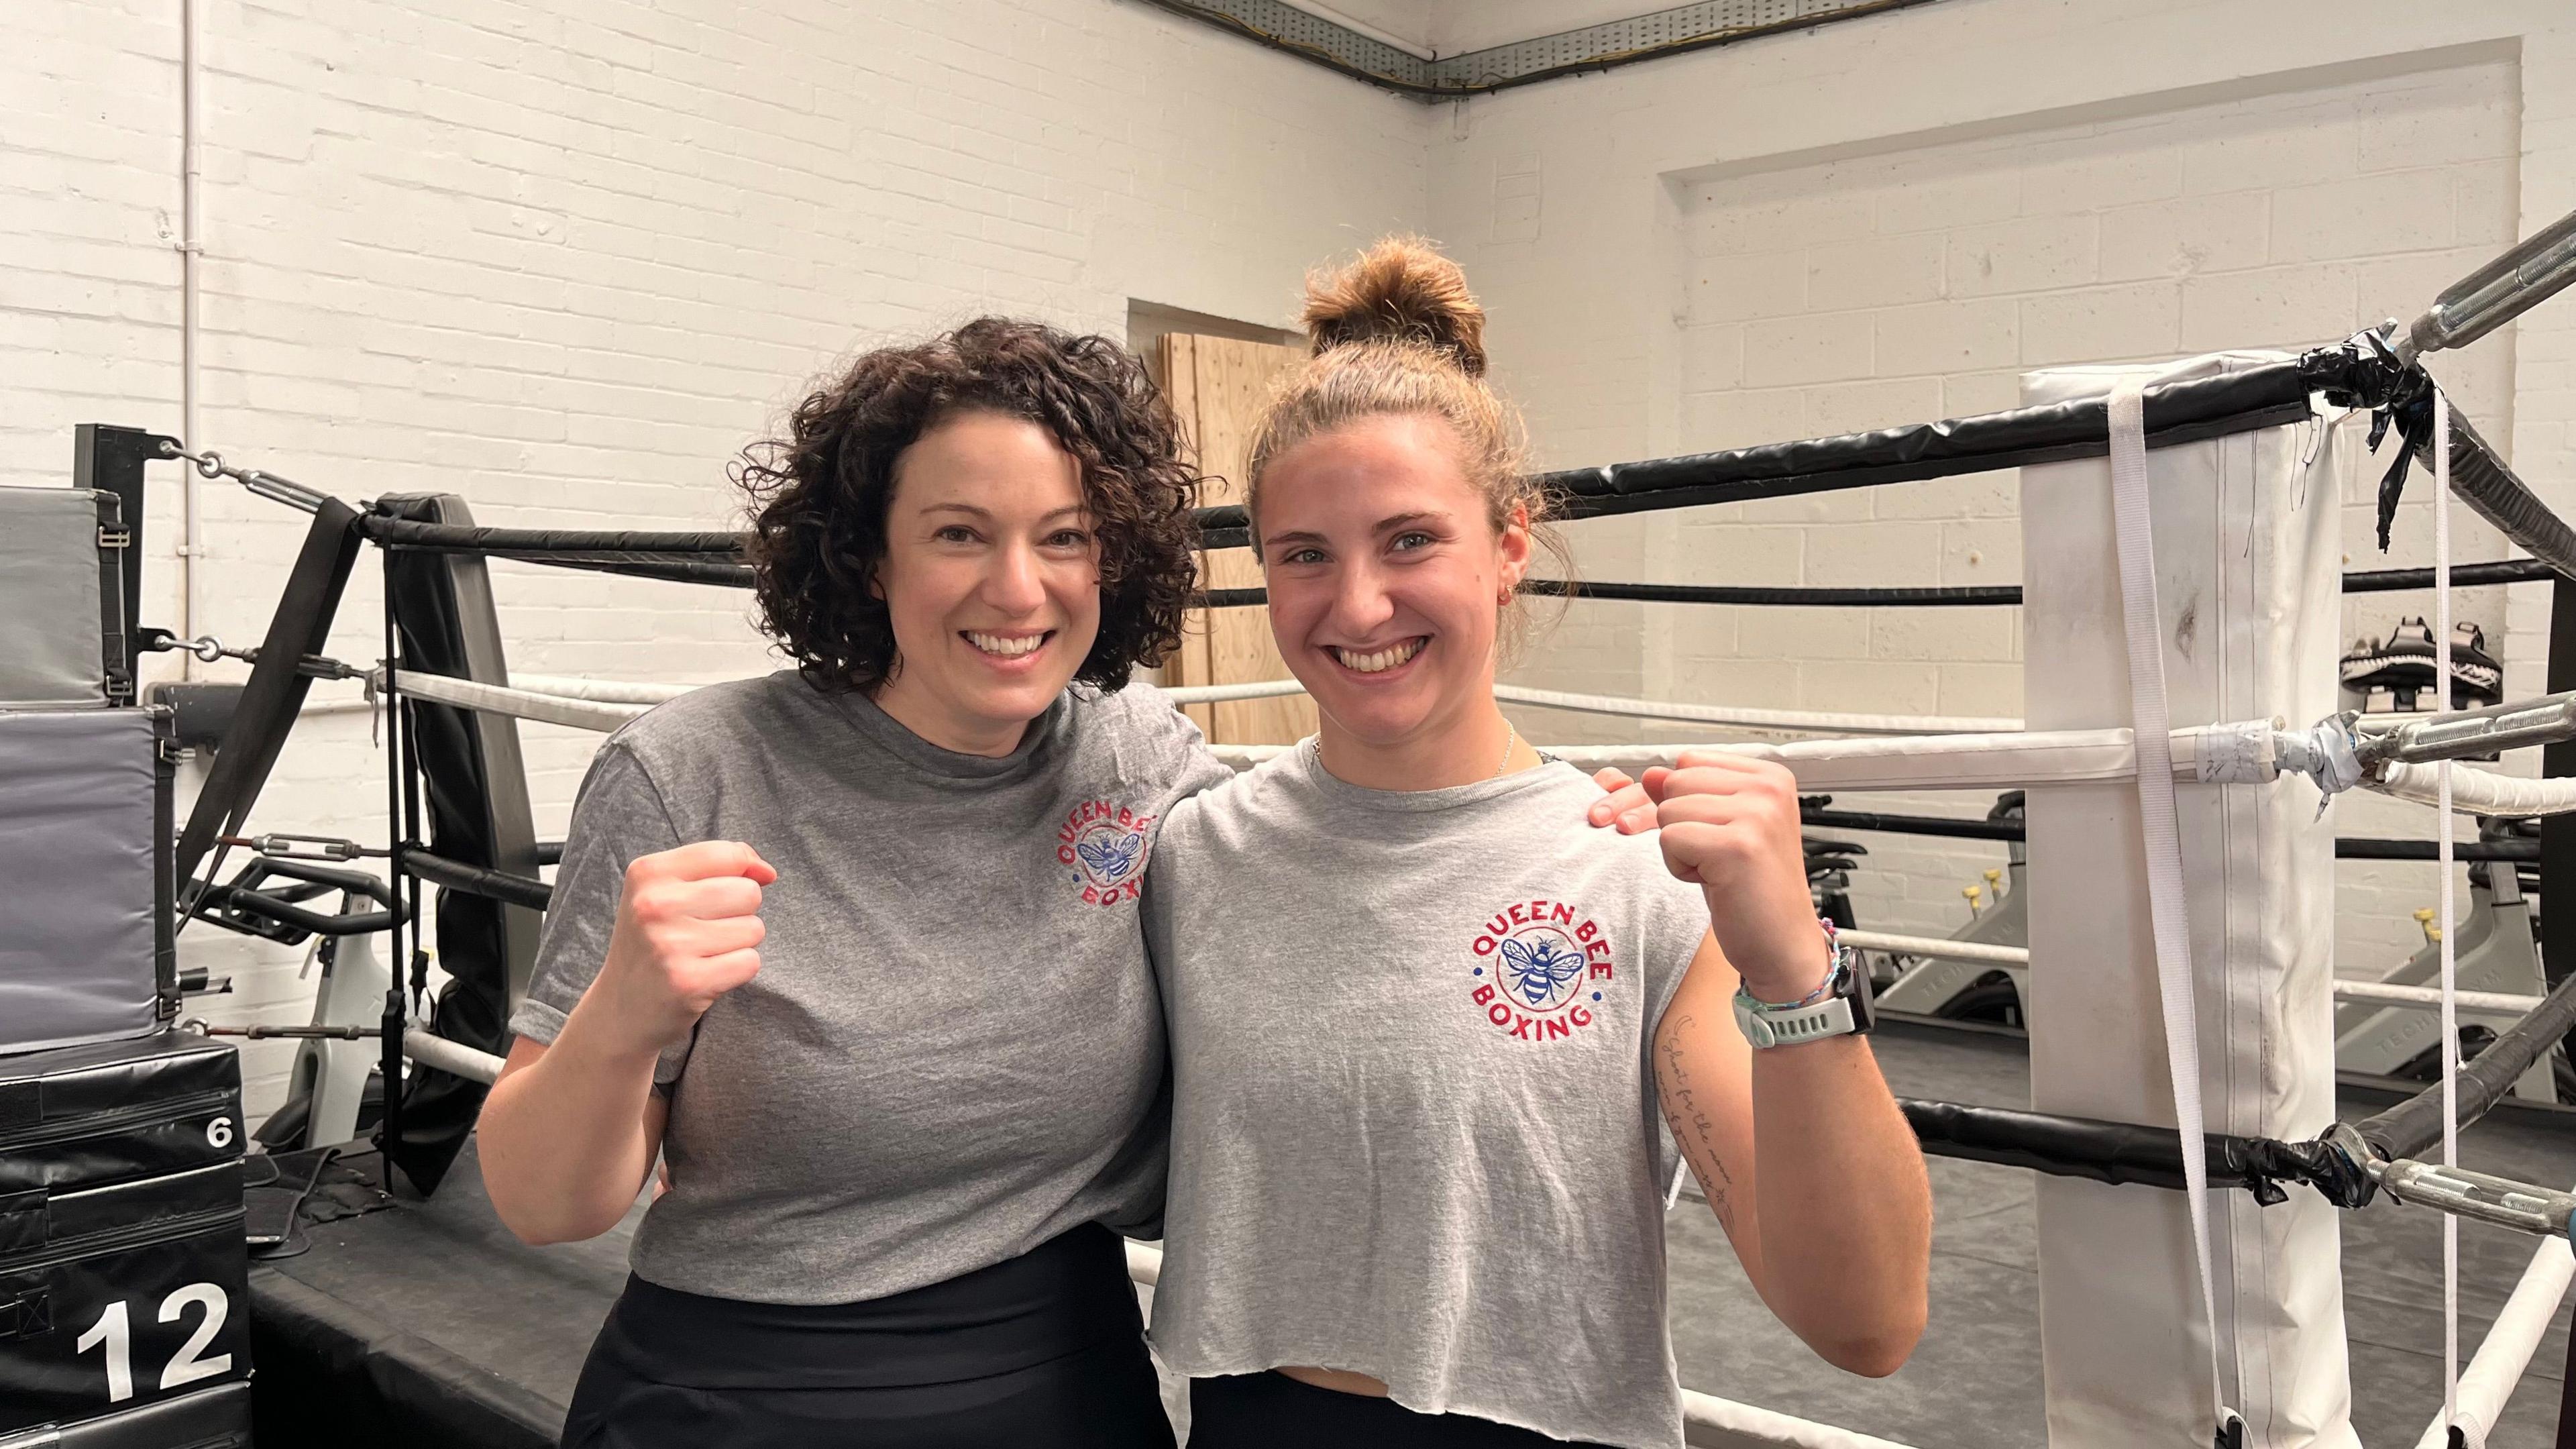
[[855, 947]]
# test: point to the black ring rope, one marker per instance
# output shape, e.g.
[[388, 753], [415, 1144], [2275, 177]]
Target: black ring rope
[[2186, 411], [2354, 848]]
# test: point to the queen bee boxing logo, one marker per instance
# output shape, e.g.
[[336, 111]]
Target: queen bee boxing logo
[[1540, 968], [1104, 845]]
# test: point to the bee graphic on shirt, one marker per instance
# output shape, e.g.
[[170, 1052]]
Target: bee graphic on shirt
[[1541, 970], [1102, 845], [1540, 967], [1111, 857]]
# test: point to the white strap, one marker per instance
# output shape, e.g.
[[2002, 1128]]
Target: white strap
[[2450, 1042], [2168, 912]]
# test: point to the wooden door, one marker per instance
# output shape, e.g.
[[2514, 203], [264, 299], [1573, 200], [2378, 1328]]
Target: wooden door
[[1218, 385]]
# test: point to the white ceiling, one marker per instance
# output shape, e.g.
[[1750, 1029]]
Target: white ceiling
[[1448, 27]]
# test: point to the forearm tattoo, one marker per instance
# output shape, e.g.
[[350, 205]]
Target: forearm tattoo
[[1692, 1126]]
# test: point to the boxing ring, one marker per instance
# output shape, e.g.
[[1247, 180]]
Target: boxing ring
[[2180, 522]]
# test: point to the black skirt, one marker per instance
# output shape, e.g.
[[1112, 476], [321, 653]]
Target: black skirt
[[1046, 1350]]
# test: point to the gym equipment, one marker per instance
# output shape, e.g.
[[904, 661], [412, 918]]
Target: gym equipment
[[123, 1271]]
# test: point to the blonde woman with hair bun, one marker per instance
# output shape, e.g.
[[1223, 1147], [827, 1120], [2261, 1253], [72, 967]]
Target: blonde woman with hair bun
[[1424, 1023]]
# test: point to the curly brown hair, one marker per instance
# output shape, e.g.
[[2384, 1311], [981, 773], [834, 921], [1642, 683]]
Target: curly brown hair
[[821, 492]]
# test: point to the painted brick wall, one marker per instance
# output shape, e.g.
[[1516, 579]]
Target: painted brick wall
[[1887, 221], [565, 261], [1880, 289]]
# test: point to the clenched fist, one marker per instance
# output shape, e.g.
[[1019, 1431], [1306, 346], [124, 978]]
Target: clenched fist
[[688, 931], [1729, 823]]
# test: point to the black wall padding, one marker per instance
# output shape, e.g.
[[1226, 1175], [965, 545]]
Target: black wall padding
[[2123, 1153], [277, 686], [438, 1109], [2414, 1125]]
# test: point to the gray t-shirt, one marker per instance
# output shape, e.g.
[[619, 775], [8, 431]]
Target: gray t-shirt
[[1415, 1131], [953, 1051]]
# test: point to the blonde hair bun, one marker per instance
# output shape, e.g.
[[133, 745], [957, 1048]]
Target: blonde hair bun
[[1400, 290]]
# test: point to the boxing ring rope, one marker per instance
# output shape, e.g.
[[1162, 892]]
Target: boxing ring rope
[[2498, 1003], [2246, 752], [2351, 847], [1934, 946], [432, 1050], [2506, 1351]]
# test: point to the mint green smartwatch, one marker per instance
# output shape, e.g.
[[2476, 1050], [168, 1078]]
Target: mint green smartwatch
[[1840, 1007]]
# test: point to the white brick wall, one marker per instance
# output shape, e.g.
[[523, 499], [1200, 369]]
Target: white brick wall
[[565, 262], [1946, 269], [1889, 220]]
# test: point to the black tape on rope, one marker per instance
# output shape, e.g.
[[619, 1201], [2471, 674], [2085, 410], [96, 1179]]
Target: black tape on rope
[[2369, 581], [2126, 1154], [2353, 848], [475, 880], [2412, 1126]]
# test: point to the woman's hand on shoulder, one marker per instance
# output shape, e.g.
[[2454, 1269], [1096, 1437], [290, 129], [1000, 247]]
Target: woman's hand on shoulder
[[1729, 824], [1624, 803], [688, 931]]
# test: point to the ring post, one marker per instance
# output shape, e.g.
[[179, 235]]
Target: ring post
[[2247, 556]]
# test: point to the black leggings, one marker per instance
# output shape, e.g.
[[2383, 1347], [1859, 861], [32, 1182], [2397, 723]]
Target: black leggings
[[1045, 1351], [1274, 1411]]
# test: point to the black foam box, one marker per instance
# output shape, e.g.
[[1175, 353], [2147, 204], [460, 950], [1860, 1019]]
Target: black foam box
[[123, 1272]]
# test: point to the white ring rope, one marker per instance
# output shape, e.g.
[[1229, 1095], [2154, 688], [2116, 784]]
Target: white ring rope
[[2223, 754], [1935, 946], [580, 714], [1821, 722], [606, 691], [2243, 753], [1228, 693], [2498, 1366], [1748, 716], [452, 1057], [2501, 1003], [2475, 791], [1818, 721], [2498, 1003]]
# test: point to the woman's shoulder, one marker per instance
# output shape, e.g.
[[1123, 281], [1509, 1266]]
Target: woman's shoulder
[[1558, 810], [1144, 736], [716, 718], [1238, 811]]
